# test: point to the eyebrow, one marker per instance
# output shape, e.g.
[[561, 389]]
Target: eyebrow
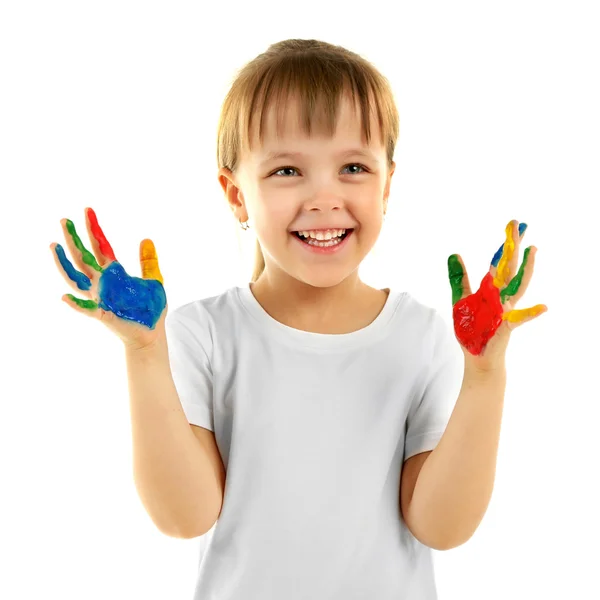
[[352, 152]]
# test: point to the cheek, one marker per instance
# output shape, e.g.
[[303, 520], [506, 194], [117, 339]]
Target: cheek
[[273, 205], [278, 217]]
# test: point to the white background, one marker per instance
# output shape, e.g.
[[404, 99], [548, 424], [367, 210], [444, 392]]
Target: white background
[[115, 105]]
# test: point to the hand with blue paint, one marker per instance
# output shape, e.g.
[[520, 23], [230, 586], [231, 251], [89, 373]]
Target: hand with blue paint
[[134, 308]]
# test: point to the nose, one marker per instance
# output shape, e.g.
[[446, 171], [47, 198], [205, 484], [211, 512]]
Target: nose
[[326, 200], [326, 208]]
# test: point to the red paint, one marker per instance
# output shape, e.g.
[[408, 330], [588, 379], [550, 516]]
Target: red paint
[[97, 232], [478, 316]]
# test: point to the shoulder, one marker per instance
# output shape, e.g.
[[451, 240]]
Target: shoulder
[[197, 322], [416, 318], [204, 311], [435, 322]]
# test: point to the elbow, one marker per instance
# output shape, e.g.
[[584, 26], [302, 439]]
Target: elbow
[[439, 540], [184, 533], [439, 545], [448, 543], [440, 535], [194, 528], [443, 546]]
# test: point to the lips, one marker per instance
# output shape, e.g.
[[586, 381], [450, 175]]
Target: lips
[[321, 228], [327, 248]]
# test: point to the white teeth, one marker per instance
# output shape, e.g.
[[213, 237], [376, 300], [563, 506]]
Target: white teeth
[[320, 235]]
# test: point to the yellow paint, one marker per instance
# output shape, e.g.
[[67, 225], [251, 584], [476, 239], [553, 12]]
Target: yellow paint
[[503, 271], [518, 315], [149, 261]]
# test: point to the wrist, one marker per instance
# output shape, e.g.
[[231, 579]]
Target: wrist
[[487, 371], [154, 349]]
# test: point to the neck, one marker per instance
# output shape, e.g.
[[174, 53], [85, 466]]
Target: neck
[[291, 300]]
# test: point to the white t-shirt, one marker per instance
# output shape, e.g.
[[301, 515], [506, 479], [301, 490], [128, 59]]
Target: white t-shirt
[[313, 430]]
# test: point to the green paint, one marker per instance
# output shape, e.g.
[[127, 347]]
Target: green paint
[[515, 283], [90, 304], [456, 274], [87, 257]]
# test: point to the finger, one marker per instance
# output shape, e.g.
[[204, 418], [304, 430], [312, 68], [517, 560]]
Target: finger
[[503, 270], [513, 263], [86, 307], [100, 245], [498, 255], [76, 279], [518, 284], [83, 258], [459, 280], [149, 261], [519, 316]]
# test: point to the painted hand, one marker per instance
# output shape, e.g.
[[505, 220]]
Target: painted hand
[[484, 320], [109, 287]]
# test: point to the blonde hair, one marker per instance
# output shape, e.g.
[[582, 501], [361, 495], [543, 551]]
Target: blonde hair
[[316, 72]]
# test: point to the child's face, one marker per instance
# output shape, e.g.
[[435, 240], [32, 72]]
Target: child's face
[[321, 189]]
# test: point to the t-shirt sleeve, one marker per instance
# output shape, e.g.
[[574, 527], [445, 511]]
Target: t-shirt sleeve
[[188, 338], [431, 409]]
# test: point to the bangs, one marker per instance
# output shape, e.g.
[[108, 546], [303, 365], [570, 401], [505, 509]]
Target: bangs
[[315, 90]]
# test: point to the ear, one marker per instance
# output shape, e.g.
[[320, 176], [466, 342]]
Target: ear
[[226, 178], [233, 193], [388, 183]]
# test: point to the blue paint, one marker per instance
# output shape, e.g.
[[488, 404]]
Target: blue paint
[[81, 279], [131, 298], [498, 255]]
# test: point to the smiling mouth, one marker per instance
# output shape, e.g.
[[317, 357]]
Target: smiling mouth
[[307, 239]]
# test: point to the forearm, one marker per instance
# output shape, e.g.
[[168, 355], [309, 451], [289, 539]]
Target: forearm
[[455, 484], [172, 472]]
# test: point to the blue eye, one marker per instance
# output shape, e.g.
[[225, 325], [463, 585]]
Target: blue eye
[[348, 165]]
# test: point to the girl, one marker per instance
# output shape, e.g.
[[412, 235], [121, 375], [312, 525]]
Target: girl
[[327, 434]]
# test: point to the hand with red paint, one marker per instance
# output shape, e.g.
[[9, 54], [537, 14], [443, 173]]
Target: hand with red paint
[[484, 320], [132, 307]]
